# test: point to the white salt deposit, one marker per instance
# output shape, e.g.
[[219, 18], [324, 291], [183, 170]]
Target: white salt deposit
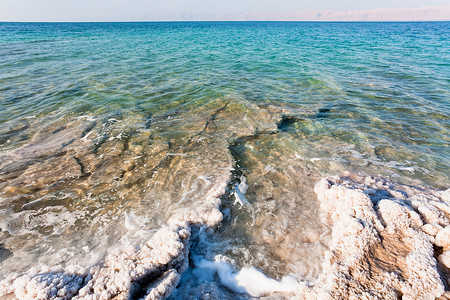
[[385, 241], [379, 249], [151, 270]]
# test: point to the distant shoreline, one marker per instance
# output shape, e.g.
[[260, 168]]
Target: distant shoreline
[[417, 14], [214, 21]]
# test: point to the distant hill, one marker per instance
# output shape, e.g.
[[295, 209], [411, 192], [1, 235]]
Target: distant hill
[[379, 14]]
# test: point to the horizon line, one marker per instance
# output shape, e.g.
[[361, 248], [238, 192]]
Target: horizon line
[[242, 21]]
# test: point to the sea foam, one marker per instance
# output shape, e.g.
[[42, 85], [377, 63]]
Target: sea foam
[[248, 280]]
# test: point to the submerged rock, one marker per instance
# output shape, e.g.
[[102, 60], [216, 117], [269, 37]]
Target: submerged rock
[[365, 237]]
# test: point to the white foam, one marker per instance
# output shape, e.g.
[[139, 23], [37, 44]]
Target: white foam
[[239, 192], [248, 280], [133, 222], [240, 189], [176, 154], [114, 120], [410, 169], [87, 117], [85, 138]]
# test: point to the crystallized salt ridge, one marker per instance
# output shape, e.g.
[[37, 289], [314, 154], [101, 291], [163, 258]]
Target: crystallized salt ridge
[[162, 259], [382, 239], [384, 236], [150, 271]]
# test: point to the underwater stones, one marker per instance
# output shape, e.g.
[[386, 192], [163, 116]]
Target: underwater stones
[[106, 173], [50, 141], [136, 176], [19, 127], [185, 185], [110, 149], [89, 162], [50, 159], [106, 170], [286, 122], [11, 190], [127, 165], [280, 191], [137, 149], [47, 172], [157, 147], [128, 177], [4, 253], [309, 236]]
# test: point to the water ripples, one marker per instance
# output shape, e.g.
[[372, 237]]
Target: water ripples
[[102, 119]]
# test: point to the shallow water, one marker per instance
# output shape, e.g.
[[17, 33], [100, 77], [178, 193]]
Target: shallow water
[[108, 129]]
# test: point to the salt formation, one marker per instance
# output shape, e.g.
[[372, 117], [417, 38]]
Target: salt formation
[[388, 240], [385, 238], [150, 271], [192, 170]]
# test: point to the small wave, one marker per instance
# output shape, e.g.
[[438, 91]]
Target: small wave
[[248, 280]]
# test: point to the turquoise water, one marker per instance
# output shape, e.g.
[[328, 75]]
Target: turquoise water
[[106, 123], [382, 85]]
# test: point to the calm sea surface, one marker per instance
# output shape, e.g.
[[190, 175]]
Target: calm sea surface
[[106, 129]]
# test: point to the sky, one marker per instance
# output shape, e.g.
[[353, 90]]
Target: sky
[[133, 10]]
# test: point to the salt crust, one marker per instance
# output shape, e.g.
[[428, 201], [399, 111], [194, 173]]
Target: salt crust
[[389, 241], [382, 239], [382, 248], [150, 271]]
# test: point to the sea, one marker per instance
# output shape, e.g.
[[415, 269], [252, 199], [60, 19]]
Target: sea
[[112, 132]]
